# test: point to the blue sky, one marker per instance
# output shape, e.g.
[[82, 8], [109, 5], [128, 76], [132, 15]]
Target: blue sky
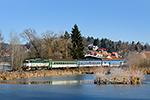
[[126, 20]]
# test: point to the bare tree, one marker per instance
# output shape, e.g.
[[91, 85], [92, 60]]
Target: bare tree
[[2, 56], [48, 37], [17, 54], [1, 43], [30, 35], [51, 45], [65, 45]]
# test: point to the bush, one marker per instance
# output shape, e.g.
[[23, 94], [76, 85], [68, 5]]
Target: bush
[[139, 60]]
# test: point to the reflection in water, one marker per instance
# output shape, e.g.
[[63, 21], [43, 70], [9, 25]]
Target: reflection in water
[[73, 82], [25, 82]]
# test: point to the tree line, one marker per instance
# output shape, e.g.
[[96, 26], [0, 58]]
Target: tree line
[[119, 46]]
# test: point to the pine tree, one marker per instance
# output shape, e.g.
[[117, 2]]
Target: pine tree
[[77, 49], [96, 42], [66, 35]]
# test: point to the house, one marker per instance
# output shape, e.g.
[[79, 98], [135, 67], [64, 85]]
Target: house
[[92, 47], [115, 54], [6, 54], [113, 57], [101, 53], [98, 55], [102, 50]]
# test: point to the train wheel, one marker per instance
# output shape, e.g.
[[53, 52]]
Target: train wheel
[[36, 68]]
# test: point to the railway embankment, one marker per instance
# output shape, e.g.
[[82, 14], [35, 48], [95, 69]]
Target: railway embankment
[[10, 75]]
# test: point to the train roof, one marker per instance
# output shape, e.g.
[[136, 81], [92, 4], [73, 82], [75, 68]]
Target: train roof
[[38, 59], [62, 60], [116, 59], [89, 60]]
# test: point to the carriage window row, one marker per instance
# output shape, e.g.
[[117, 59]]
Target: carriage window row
[[39, 61], [64, 62], [89, 62]]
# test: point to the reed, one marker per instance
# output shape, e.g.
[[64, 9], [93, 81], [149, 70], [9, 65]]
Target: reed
[[139, 60], [131, 75], [118, 74], [100, 73]]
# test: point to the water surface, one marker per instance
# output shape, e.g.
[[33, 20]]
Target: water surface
[[73, 92]]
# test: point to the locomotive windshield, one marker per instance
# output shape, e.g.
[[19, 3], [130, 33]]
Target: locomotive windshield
[[25, 61]]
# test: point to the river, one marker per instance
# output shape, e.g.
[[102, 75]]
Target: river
[[73, 91]]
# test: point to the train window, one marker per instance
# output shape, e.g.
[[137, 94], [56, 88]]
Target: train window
[[25, 61]]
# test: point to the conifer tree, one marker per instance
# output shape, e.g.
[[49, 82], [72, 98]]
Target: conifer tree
[[77, 49], [66, 35]]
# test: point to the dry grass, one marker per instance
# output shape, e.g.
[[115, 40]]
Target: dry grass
[[119, 74], [129, 75], [100, 72], [139, 60]]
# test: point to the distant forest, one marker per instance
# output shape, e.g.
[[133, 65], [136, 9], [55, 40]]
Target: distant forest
[[120, 46]]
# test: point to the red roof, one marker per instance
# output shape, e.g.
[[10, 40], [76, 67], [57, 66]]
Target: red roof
[[106, 54], [100, 49], [92, 53], [114, 52], [113, 57], [6, 53]]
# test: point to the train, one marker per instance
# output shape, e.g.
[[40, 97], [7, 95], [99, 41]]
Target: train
[[30, 64]]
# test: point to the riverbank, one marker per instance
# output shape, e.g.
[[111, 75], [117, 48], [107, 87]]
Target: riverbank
[[6, 75]]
